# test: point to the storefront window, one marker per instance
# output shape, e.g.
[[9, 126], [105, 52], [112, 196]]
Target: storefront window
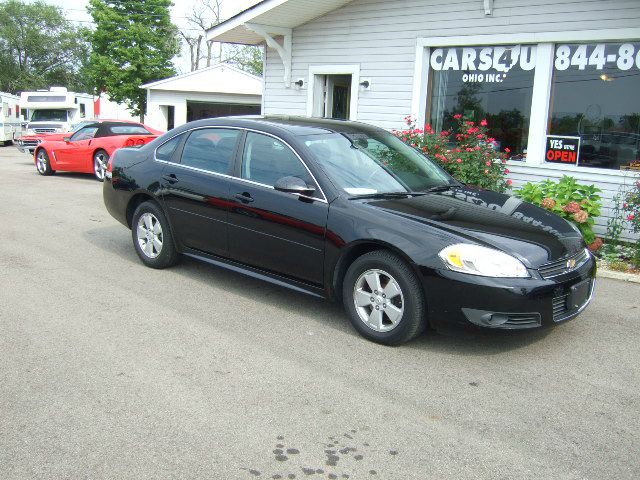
[[493, 83], [595, 103]]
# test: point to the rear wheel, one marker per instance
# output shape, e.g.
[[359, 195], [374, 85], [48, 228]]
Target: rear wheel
[[43, 165], [100, 160], [384, 299], [152, 236]]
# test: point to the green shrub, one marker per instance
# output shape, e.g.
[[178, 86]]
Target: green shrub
[[577, 203], [618, 266], [631, 208]]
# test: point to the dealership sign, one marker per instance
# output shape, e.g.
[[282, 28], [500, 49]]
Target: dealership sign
[[484, 64], [623, 56], [498, 59], [562, 149]]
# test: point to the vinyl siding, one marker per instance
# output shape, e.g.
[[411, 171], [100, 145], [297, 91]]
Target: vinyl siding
[[380, 36]]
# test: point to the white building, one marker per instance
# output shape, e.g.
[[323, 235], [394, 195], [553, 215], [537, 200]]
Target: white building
[[216, 91], [10, 120], [532, 68], [107, 109]]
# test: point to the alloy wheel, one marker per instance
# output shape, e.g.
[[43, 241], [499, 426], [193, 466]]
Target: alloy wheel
[[100, 165], [41, 162], [378, 300], [150, 236]]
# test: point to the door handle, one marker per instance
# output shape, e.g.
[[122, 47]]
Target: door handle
[[170, 177], [244, 197]]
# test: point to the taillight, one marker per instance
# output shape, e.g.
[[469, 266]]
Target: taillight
[[140, 141], [129, 142]]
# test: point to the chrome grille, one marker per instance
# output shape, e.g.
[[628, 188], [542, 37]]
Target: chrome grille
[[560, 267], [559, 307], [523, 320], [44, 130]]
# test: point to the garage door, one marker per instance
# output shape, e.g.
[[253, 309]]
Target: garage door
[[198, 110]]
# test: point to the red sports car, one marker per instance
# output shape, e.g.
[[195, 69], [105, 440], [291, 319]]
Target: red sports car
[[29, 143], [88, 149]]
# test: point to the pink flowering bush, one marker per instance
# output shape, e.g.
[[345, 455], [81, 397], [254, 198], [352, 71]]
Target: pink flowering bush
[[574, 202], [466, 152], [631, 208]]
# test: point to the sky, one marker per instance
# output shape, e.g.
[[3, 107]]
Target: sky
[[76, 11]]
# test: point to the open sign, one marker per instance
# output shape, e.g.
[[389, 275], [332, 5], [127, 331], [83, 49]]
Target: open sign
[[562, 149]]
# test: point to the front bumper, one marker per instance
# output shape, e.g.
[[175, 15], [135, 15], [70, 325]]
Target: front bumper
[[25, 147], [460, 300]]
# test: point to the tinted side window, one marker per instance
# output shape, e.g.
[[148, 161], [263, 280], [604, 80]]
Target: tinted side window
[[129, 130], [210, 149], [86, 133], [166, 150], [267, 159]]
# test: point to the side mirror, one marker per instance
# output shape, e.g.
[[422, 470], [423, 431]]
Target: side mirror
[[66, 139], [294, 185]]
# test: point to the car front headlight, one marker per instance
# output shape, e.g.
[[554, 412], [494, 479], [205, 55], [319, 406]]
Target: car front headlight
[[483, 261]]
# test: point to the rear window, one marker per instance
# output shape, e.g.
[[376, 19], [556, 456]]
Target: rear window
[[165, 151], [129, 130]]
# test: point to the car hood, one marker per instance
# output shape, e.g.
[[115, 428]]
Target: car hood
[[45, 136], [493, 219]]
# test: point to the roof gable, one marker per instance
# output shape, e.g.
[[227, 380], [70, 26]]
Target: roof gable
[[220, 78]]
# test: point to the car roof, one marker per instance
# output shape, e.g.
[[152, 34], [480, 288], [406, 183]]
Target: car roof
[[297, 126]]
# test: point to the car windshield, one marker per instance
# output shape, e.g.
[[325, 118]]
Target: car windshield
[[49, 115], [367, 163], [79, 125]]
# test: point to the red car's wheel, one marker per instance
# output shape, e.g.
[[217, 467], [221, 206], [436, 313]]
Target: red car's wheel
[[100, 160], [43, 165]]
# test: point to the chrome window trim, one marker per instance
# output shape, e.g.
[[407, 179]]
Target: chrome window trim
[[231, 177], [155, 158]]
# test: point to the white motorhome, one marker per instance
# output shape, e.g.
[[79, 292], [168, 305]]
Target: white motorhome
[[10, 121], [55, 110]]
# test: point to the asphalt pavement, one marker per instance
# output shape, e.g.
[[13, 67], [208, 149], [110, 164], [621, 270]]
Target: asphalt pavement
[[109, 369]]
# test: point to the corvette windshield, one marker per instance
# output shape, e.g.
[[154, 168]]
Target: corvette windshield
[[363, 163]]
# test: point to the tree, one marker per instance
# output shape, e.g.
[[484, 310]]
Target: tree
[[205, 16], [39, 48], [133, 43], [245, 57]]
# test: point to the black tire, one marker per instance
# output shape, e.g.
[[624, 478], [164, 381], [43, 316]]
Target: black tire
[[100, 160], [43, 164], [411, 299], [153, 257]]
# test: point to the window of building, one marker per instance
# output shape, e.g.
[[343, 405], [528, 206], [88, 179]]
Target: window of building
[[595, 100], [210, 149], [493, 83], [83, 110]]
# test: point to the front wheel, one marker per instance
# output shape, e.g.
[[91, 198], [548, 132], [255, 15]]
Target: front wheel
[[383, 298], [100, 160], [152, 236], [43, 165]]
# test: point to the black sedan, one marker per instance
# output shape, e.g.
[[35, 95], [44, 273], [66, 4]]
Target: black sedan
[[347, 211]]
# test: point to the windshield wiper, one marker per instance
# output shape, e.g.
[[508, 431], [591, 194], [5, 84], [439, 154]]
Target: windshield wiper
[[439, 188], [387, 195]]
